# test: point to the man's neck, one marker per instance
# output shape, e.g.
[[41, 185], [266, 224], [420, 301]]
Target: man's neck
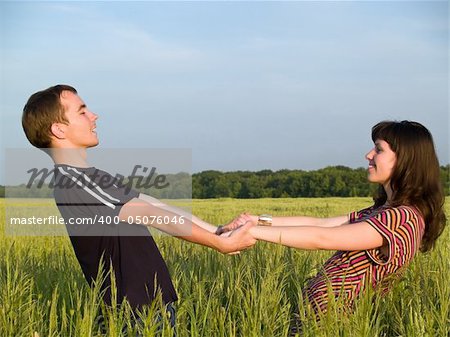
[[72, 157]]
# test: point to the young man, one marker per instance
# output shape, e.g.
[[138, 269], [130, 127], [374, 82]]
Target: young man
[[58, 121]]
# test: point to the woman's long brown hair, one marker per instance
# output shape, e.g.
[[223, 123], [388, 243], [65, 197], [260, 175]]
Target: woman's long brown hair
[[415, 180]]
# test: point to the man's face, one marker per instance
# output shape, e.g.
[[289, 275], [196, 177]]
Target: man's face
[[80, 132]]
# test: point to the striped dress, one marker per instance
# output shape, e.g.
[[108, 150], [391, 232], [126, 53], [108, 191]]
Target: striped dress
[[346, 273]]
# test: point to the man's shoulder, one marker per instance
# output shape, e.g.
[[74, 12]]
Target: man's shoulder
[[70, 179], [92, 186], [88, 175]]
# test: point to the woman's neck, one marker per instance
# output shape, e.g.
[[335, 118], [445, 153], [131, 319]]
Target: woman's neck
[[389, 193]]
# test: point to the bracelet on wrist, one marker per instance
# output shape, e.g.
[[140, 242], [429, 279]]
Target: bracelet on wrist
[[265, 220]]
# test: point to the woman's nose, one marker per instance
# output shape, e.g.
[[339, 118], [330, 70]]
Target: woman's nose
[[369, 155]]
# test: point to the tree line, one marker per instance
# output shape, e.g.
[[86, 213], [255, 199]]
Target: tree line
[[332, 181]]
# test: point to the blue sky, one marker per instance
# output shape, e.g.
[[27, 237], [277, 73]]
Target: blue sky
[[245, 85]]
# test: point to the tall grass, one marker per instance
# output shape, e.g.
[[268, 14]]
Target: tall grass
[[43, 292]]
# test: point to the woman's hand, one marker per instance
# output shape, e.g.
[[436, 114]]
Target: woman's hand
[[238, 239], [237, 222]]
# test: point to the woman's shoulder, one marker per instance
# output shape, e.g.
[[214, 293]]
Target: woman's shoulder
[[405, 212], [400, 215]]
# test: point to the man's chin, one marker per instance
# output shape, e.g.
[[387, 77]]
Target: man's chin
[[93, 145]]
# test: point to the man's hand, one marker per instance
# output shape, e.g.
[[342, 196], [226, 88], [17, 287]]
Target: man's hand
[[232, 242], [190, 231]]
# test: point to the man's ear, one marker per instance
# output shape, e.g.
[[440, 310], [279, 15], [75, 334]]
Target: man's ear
[[57, 130]]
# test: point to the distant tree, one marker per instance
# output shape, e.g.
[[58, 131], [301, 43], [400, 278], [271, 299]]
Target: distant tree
[[331, 181]]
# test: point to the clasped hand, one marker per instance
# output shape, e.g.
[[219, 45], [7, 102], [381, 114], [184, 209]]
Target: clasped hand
[[237, 234]]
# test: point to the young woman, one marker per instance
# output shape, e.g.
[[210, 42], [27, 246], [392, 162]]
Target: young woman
[[379, 241]]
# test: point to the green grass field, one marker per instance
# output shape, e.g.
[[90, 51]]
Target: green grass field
[[43, 292]]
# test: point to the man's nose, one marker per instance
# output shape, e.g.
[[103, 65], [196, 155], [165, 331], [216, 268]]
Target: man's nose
[[93, 116]]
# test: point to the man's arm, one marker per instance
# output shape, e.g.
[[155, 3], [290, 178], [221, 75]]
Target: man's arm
[[182, 225], [158, 203]]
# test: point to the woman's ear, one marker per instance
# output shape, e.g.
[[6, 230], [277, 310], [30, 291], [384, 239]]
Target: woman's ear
[[57, 130]]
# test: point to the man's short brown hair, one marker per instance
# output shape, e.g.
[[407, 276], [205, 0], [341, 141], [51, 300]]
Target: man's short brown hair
[[42, 109]]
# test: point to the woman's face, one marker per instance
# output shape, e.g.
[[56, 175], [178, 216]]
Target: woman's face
[[381, 163]]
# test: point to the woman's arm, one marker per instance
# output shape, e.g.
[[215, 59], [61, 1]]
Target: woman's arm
[[355, 236], [289, 221], [304, 221]]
